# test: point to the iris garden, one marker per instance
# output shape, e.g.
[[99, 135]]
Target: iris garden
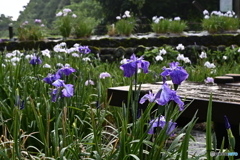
[[54, 103]]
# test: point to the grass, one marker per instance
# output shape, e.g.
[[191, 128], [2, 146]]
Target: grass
[[218, 24], [166, 25]]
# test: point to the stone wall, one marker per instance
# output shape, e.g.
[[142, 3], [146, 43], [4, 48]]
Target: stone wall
[[111, 49]]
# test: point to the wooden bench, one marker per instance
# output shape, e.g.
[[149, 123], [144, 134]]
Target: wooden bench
[[226, 101]]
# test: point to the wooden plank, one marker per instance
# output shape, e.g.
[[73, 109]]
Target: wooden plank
[[226, 98]]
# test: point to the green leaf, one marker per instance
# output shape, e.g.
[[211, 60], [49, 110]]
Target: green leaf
[[209, 129], [131, 155]]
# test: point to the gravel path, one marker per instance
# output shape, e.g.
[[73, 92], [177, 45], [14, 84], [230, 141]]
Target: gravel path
[[197, 148]]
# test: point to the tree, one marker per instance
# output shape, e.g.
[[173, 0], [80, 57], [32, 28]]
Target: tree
[[167, 8], [4, 23], [107, 10]]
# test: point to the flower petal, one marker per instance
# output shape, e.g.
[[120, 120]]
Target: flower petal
[[58, 83], [178, 76], [149, 97], [128, 70], [177, 99], [68, 90], [66, 70], [51, 78], [171, 127], [165, 95], [144, 66], [54, 94]]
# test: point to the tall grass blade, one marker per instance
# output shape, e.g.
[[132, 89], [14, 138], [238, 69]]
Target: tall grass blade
[[209, 129]]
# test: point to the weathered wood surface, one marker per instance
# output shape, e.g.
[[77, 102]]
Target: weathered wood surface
[[225, 97], [229, 92]]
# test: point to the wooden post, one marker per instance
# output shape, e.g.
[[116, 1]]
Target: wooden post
[[237, 8], [10, 29]]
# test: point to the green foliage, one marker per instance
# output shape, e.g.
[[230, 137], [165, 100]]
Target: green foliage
[[105, 10], [170, 8], [87, 9], [220, 23], [151, 53], [177, 26], [88, 15], [126, 24], [228, 59], [85, 126], [42, 9], [65, 26], [4, 23], [139, 3], [83, 28], [161, 25], [31, 31], [209, 145], [112, 7], [65, 21]]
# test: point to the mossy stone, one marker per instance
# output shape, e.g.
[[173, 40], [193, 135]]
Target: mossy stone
[[119, 52], [140, 49], [107, 58], [94, 50], [221, 48]]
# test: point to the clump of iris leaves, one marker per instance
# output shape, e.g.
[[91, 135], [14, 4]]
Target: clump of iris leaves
[[54, 105]]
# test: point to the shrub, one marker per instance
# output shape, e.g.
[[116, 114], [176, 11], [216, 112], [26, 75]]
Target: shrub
[[111, 30], [31, 31], [125, 24], [84, 27], [219, 22], [161, 25], [64, 22], [177, 26]]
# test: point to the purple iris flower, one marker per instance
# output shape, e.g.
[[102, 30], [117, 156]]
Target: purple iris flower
[[227, 124], [150, 97], [133, 64], [84, 49], [161, 122], [54, 94], [35, 60], [51, 78], [103, 75], [166, 94], [209, 80], [67, 90], [177, 73], [163, 97], [65, 70]]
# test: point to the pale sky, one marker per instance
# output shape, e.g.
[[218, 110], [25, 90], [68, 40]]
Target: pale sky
[[12, 7]]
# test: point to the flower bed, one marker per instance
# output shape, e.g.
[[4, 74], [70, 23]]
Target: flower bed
[[54, 102]]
